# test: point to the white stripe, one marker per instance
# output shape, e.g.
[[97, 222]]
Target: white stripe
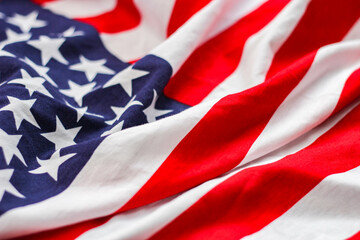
[[330, 211], [213, 19], [259, 51], [312, 100], [119, 167], [127, 45], [152, 31], [76, 9], [141, 223]]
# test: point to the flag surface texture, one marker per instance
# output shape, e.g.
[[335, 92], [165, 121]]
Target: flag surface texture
[[179, 119]]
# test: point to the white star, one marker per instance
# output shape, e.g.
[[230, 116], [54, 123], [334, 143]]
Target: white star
[[118, 127], [41, 70], [77, 92], [13, 37], [31, 83], [21, 110], [5, 184], [2, 15], [70, 32], [9, 143], [91, 67], [82, 111], [119, 111], [124, 78], [51, 166], [152, 113], [49, 48], [62, 137], [26, 22]]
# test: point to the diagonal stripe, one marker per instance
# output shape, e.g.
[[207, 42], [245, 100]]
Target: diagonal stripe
[[183, 10], [238, 120], [354, 32], [310, 103], [330, 211], [259, 51], [256, 196], [145, 221], [210, 21], [191, 89], [320, 21], [210, 64], [355, 236], [125, 12]]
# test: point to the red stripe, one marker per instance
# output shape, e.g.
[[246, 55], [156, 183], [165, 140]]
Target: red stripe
[[42, 1], [66, 233], [211, 63], [254, 197], [355, 237], [123, 17], [350, 91], [320, 26], [182, 11]]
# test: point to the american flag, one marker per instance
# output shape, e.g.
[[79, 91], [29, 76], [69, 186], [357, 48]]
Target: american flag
[[179, 119]]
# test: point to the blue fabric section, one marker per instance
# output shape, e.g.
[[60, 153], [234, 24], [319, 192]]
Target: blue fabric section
[[45, 110]]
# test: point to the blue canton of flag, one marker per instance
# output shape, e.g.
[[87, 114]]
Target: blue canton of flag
[[61, 93]]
